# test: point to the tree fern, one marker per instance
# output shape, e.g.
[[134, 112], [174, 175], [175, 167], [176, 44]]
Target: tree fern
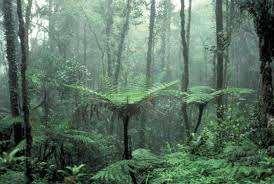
[[124, 97]]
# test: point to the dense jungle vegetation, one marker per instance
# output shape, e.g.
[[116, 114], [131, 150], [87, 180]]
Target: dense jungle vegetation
[[136, 91]]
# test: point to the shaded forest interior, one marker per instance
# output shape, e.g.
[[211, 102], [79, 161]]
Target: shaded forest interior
[[136, 91]]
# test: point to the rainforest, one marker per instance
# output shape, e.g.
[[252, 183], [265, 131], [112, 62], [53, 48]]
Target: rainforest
[[136, 92]]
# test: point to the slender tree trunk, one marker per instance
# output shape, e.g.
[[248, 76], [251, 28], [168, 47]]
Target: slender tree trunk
[[189, 25], [148, 67], [150, 43], [199, 121], [165, 39], [220, 55], [127, 151], [23, 34], [122, 42], [168, 59], [10, 35], [45, 88], [127, 147], [163, 46], [109, 25], [85, 43], [185, 76], [51, 25]]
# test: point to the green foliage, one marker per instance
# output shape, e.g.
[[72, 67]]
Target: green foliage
[[8, 121], [126, 96], [124, 102], [142, 163], [96, 143], [206, 94], [114, 174], [71, 72], [184, 168], [8, 159], [12, 177], [244, 151], [73, 174], [144, 159], [201, 95]]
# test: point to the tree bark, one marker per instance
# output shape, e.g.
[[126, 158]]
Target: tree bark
[[10, 35], [150, 54], [265, 29], [263, 16], [122, 42], [220, 55], [185, 76], [109, 25], [150, 43], [165, 40], [23, 35], [199, 121], [127, 151], [85, 44], [127, 148], [188, 28]]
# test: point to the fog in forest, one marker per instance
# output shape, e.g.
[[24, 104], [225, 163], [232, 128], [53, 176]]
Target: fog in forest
[[136, 91]]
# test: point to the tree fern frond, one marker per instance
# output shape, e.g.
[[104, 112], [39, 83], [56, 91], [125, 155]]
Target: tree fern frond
[[205, 94], [126, 101], [237, 91]]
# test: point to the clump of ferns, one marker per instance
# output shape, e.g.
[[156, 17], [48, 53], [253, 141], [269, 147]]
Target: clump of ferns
[[142, 164], [59, 145], [73, 174], [9, 159]]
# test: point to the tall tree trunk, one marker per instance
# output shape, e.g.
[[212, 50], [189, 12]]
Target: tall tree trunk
[[122, 42], [127, 149], [46, 91], [168, 67], [109, 25], [51, 25], [165, 39], [265, 28], [220, 55], [127, 146], [23, 34], [150, 43], [188, 28], [262, 12], [10, 35], [149, 66], [185, 76], [199, 121], [85, 44]]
